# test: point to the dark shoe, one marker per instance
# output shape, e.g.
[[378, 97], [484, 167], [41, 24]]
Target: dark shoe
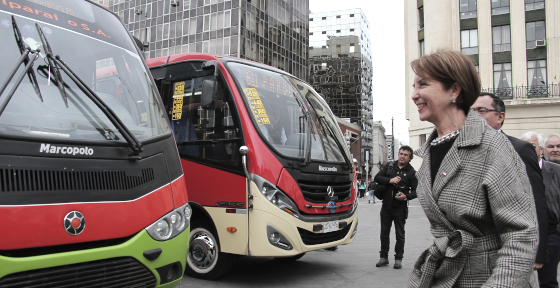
[[398, 264], [382, 262], [332, 248], [368, 201]]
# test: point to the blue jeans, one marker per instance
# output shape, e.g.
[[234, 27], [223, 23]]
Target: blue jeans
[[370, 196]]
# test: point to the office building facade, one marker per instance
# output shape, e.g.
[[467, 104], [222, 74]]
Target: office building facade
[[340, 67], [514, 45], [273, 32]]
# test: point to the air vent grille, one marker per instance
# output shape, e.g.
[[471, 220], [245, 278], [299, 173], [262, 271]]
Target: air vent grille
[[116, 272], [16, 180]]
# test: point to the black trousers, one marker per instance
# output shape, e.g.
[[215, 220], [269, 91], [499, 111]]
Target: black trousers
[[548, 273], [388, 216]]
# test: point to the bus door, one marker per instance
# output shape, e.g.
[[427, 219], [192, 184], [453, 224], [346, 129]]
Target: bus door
[[208, 141]]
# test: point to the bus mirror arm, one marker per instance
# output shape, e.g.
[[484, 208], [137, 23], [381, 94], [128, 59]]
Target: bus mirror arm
[[243, 150]]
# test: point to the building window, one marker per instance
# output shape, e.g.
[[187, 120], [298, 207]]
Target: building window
[[351, 15], [500, 7], [469, 41], [534, 4], [337, 31], [352, 48], [310, 19], [468, 9], [502, 76], [324, 32], [501, 38], [323, 66], [536, 77], [352, 30], [324, 18], [535, 34], [422, 48], [421, 18], [337, 16]]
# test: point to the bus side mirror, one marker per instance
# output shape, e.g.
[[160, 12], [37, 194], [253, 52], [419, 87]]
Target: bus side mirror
[[209, 92], [210, 87]]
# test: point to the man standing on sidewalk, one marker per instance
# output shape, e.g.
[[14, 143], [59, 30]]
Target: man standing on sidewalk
[[398, 178]]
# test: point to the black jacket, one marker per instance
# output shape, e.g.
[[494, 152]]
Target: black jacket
[[527, 153], [407, 174]]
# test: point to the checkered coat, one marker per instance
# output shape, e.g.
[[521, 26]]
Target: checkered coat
[[481, 212]]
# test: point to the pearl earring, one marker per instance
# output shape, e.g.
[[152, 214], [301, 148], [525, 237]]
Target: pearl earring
[[453, 101]]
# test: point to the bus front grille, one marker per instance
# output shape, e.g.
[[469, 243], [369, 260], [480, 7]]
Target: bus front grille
[[310, 238], [115, 272], [317, 192]]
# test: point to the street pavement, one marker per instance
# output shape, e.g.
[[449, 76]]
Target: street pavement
[[351, 265]]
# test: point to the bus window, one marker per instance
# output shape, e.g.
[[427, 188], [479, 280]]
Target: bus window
[[209, 135]]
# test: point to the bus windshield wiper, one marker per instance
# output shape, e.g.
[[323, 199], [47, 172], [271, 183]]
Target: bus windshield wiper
[[35, 55], [55, 68], [22, 49], [135, 144]]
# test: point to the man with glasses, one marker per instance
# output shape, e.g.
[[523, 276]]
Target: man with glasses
[[493, 109]]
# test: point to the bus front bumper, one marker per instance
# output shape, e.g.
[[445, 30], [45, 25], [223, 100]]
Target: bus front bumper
[[279, 234], [126, 260]]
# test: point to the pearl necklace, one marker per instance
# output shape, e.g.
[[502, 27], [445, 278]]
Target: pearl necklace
[[445, 138]]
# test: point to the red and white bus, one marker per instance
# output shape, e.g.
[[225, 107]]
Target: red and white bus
[[273, 174]]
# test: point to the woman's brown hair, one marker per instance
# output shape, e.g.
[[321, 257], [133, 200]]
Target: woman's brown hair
[[450, 67]]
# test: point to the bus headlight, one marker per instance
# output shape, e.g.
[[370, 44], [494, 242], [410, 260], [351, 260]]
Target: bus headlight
[[276, 196], [162, 229], [171, 224], [188, 212]]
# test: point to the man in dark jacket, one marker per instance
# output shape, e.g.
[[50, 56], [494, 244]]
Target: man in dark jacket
[[493, 110], [400, 181]]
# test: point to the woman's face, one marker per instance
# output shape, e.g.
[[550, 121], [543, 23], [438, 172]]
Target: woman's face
[[432, 99]]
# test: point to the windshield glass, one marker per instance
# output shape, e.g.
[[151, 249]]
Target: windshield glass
[[285, 119], [95, 45]]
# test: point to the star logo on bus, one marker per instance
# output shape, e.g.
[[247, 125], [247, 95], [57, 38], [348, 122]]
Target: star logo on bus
[[74, 223], [330, 191]]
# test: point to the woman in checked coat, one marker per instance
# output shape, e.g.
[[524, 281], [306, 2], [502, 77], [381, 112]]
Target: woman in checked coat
[[472, 186]]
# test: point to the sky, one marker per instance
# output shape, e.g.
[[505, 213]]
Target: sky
[[386, 20]]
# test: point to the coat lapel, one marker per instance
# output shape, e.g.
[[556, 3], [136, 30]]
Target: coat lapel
[[425, 193], [447, 170]]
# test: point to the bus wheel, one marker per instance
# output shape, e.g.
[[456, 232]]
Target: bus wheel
[[204, 259], [290, 258]]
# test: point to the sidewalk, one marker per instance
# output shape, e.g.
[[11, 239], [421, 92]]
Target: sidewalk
[[351, 265]]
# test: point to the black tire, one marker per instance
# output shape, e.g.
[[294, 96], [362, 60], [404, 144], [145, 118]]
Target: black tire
[[290, 258], [204, 258]]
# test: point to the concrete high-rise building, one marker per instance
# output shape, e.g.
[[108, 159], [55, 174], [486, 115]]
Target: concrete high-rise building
[[340, 67], [379, 148], [272, 32], [515, 46]]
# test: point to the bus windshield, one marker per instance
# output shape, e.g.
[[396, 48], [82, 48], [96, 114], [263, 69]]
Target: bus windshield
[[94, 44], [289, 115]]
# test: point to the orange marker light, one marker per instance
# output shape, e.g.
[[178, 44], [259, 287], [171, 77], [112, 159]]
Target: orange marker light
[[289, 211], [232, 229]]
